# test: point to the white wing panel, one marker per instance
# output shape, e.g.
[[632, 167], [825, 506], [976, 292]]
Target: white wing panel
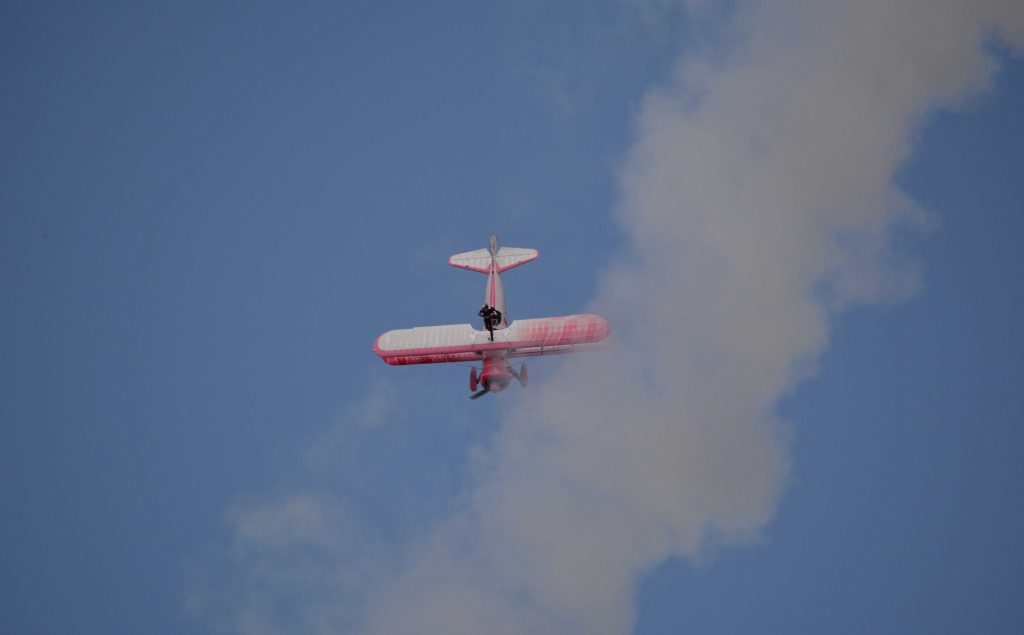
[[431, 344], [429, 337]]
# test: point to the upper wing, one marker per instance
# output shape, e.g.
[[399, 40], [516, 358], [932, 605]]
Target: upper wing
[[552, 335], [431, 344], [463, 343]]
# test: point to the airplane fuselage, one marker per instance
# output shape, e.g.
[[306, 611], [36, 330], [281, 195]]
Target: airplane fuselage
[[494, 294], [495, 374]]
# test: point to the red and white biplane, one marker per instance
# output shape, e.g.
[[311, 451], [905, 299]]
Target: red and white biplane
[[500, 340]]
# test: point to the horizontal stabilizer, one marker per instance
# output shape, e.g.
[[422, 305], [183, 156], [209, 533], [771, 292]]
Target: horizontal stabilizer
[[505, 259], [476, 260], [508, 257]]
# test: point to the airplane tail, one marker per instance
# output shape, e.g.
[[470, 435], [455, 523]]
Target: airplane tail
[[504, 258]]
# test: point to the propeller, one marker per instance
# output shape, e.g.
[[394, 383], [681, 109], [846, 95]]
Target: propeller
[[479, 393]]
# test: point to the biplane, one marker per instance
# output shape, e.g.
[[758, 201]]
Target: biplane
[[500, 340]]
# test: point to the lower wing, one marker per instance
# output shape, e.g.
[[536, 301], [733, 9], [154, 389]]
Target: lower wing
[[463, 343]]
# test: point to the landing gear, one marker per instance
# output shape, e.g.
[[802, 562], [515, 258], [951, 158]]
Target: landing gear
[[521, 375], [496, 373]]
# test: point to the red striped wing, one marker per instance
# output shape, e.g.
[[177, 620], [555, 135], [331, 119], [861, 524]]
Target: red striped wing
[[463, 343]]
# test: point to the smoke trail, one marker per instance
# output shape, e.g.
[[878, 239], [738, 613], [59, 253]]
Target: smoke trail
[[759, 199]]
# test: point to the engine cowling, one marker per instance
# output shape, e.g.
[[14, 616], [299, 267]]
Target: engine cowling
[[495, 374]]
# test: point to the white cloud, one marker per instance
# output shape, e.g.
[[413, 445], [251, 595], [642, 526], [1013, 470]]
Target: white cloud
[[301, 563]]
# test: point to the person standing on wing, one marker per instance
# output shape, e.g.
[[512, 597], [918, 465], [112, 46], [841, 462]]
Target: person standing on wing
[[487, 313]]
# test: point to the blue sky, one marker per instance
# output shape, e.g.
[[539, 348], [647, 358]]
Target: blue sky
[[210, 213]]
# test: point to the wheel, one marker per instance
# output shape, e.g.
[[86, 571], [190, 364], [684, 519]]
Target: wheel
[[523, 378], [473, 383]]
